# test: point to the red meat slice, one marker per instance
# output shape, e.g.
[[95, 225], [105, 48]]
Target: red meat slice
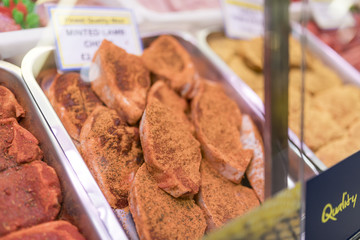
[[17, 145], [170, 150], [158, 215], [120, 80], [29, 194], [9, 106], [52, 230], [112, 152], [217, 120]]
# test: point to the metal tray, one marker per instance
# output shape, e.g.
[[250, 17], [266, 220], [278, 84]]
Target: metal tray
[[95, 199], [43, 57], [327, 56], [76, 206]]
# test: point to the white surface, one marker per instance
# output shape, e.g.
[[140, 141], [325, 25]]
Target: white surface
[[183, 20], [16, 44], [330, 14]]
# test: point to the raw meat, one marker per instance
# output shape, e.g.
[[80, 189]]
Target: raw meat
[[112, 151]]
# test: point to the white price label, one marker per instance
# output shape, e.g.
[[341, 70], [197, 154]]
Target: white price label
[[331, 14], [79, 32], [243, 18]]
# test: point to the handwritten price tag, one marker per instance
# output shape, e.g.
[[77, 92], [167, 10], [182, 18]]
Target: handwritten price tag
[[243, 18], [80, 31]]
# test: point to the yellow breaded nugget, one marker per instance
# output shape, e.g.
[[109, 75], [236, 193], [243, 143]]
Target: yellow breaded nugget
[[252, 53], [354, 133], [222, 46], [319, 127], [343, 103], [253, 79], [336, 151], [325, 72], [315, 82], [295, 99], [296, 56]]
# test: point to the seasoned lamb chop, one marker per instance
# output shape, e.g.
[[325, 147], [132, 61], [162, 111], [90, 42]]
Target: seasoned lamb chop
[[169, 60], [222, 200], [112, 151], [29, 194], [171, 152], [120, 80], [251, 139], [171, 99], [17, 145], [158, 215], [217, 121], [9, 106], [51, 230], [73, 101]]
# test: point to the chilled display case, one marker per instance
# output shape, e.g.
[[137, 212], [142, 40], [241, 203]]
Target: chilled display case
[[290, 116]]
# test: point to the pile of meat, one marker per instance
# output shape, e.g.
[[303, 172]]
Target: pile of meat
[[30, 193], [161, 139]]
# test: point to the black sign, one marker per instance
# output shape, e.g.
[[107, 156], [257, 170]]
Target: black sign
[[333, 201]]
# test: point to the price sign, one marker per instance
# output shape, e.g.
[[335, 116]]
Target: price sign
[[243, 18], [79, 32]]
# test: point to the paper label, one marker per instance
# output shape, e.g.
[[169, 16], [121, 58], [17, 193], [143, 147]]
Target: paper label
[[330, 14], [79, 32], [243, 18]]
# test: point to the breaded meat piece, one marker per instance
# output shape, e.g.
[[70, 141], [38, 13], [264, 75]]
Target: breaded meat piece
[[167, 58], [112, 151], [171, 99], [158, 215], [222, 46], [319, 132], [251, 139], [252, 52], [9, 106], [121, 81], [254, 79], [17, 145], [73, 101], [342, 102], [337, 150], [354, 132], [222, 200], [51, 230], [217, 121], [29, 194], [314, 81], [171, 152]]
